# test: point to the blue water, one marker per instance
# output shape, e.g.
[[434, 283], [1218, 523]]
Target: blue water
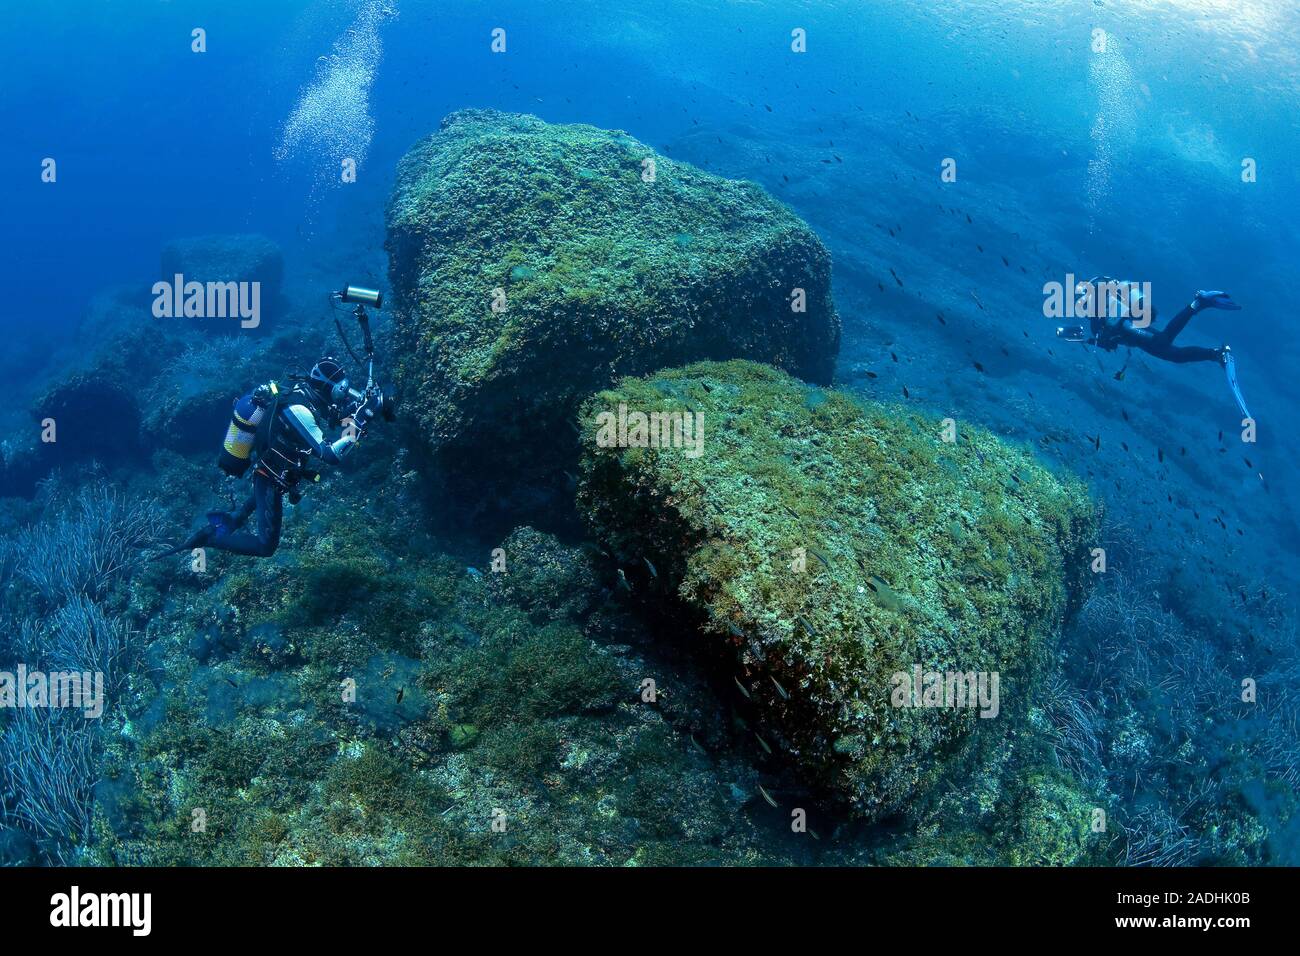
[[1125, 162]]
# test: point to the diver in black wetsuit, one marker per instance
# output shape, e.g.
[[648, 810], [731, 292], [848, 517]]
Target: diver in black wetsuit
[[288, 437], [1110, 333]]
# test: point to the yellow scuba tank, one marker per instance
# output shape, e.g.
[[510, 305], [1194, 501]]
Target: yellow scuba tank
[[237, 450]]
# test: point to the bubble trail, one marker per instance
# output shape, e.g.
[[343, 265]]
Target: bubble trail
[[331, 121]]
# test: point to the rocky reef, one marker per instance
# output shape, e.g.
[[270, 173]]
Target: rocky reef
[[841, 550], [365, 698], [531, 264], [225, 258], [137, 383], [733, 661]]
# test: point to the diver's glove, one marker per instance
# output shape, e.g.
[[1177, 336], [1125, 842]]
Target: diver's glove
[[1214, 300]]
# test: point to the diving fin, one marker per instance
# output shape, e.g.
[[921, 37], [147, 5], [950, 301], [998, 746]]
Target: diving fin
[[219, 523], [197, 540], [1230, 368]]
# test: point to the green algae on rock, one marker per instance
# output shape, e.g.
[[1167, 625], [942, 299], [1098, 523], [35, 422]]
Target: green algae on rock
[[543, 577], [835, 544], [533, 263]]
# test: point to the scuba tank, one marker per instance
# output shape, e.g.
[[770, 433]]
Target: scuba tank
[[282, 464], [236, 451]]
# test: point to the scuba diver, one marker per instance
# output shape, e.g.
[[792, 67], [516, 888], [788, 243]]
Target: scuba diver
[[283, 432], [285, 429], [1109, 334]]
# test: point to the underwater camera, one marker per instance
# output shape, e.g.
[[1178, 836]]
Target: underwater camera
[[373, 399]]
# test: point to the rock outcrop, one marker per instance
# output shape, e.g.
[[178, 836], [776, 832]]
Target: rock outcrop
[[840, 549], [532, 264]]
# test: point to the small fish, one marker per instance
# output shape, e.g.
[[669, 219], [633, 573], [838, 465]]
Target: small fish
[[1248, 464], [779, 689], [401, 692], [819, 556], [806, 626], [474, 572], [231, 682], [893, 356], [623, 582], [762, 743], [742, 688], [653, 572], [939, 316], [1005, 263], [1124, 413], [906, 393], [766, 796], [1124, 445], [1160, 454], [979, 367]]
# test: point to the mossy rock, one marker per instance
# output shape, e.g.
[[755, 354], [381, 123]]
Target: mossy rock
[[830, 544], [603, 274], [542, 576]]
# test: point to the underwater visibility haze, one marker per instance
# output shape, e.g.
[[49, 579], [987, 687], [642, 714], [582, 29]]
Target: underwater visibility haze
[[730, 432]]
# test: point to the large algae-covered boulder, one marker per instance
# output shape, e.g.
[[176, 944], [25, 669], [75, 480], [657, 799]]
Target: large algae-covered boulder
[[531, 264], [842, 549]]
